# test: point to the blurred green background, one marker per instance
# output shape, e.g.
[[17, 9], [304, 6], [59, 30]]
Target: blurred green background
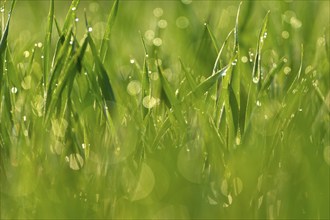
[[280, 168]]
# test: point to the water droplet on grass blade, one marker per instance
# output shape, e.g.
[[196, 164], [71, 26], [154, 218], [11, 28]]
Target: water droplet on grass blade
[[258, 103], [90, 29], [14, 90], [73, 8], [255, 79]]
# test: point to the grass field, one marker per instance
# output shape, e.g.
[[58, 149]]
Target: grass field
[[164, 109]]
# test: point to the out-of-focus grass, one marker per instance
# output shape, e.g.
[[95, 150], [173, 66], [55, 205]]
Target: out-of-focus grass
[[157, 123]]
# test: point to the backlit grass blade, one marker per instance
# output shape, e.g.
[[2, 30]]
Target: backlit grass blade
[[69, 16], [255, 86], [236, 29], [217, 61], [270, 76], [66, 78], [3, 41], [145, 72], [60, 62], [170, 96], [236, 78], [213, 38], [209, 82], [103, 78], [107, 33], [230, 102], [189, 77], [256, 72], [47, 43], [296, 78]]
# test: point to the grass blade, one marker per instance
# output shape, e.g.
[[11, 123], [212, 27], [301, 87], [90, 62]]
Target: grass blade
[[256, 72], [3, 41], [270, 76], [47, 43], [170, 96], [107, 33], [213, 38], [103, 78], [217, 61], [209, 82], [191, 81], [67, 77], [69, 16]]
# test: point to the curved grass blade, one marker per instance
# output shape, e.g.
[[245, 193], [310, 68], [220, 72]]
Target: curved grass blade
[[170, 96], [69, 16], [270, 76], [58, 67], [213, 38], [191, 81], [66, 78], [216, 63], [107, 33], [3, 41], [209, 82], [256, 72], [299, 71], [236, 29], [47, 43], [103, 78]]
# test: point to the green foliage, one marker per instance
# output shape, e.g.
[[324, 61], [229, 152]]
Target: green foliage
[[165, 116]]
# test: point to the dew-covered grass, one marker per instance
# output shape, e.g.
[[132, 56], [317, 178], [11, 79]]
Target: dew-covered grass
[[164, 109]]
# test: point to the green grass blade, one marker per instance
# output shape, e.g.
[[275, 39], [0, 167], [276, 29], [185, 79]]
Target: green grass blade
[[236, 29], [270, 76], [217, 61], [58, 67], [47, 43], [209, 82], [170, 97], [3, 41], [69, 17], [67, 77], [256, 72], [189, 77], [213, 38], [103, 78], [107, 33]]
